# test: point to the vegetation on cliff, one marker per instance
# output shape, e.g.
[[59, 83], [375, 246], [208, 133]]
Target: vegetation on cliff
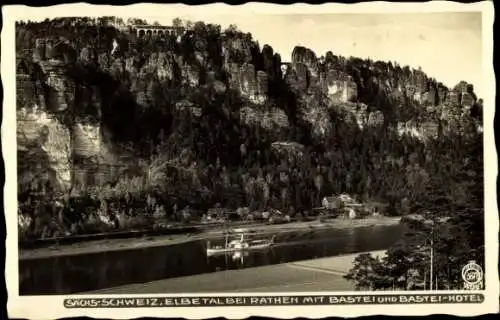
[[168, 127]]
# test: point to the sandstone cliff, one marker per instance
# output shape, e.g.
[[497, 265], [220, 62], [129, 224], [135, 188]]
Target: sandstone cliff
[[92, 107]]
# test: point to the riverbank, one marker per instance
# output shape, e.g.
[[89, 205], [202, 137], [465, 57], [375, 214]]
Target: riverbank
[[324, 274], [281, 230]]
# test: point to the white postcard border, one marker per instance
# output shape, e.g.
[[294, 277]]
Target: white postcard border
[[52, 306]]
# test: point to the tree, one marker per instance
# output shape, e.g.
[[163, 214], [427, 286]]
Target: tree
[[188, 24], [232, 28], [200, 28], [365, 272], [440, 237], [135, 21], [154, 172], [177, 22]]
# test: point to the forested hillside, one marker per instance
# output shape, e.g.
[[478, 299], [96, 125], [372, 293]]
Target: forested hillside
[[146, 126]]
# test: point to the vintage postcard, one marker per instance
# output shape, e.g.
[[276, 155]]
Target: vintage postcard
[[252, 160]]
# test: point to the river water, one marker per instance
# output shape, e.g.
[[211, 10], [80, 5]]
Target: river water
[[87, 272]]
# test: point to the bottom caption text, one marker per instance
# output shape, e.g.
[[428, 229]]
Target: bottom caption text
[[145, 302]]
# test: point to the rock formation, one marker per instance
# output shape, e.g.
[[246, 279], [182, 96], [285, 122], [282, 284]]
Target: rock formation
[[266, 119], [38, 129], [235, 50], [306, 57], [288, 148], [339, 86], [304, 73], [452, 98], [375, 119], [262, 87], [467, 101], [422, 131], [61, 86], [251, 84], [197, 75], [248, 82]]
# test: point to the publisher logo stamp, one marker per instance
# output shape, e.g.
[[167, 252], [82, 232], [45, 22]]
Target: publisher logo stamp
[[472, 274]]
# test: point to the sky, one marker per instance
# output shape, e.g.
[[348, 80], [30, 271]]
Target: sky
[[446, 45]]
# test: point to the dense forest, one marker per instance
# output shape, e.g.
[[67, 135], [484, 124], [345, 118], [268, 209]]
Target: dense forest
[[202, 118]]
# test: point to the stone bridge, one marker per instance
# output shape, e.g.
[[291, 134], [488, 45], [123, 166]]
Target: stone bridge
[[156, 31]]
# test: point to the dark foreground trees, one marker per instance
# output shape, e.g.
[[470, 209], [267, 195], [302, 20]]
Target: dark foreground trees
[[444, 233]]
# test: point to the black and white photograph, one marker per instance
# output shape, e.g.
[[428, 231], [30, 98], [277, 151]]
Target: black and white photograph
[[181, 150]]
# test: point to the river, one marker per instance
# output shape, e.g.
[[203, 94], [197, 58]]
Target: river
[[87, 272]]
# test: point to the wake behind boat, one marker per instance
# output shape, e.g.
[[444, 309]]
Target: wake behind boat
[[239, 240]]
